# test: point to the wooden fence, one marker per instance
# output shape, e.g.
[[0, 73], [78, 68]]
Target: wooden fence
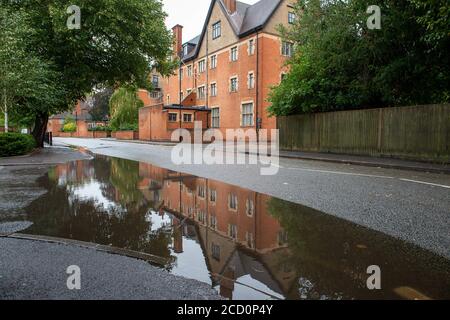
[[418, 133]]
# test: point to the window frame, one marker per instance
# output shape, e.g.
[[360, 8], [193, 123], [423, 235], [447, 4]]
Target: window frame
[[216, 30], [176, 116], [213, 117], [247, 114]]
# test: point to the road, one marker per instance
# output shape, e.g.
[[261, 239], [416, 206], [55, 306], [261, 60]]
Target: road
[[412, 206]]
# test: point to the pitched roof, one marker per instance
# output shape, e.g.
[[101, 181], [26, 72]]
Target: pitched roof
[[246, 20]]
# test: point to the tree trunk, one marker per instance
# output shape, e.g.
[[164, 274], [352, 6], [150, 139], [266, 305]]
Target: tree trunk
[[40, 128]]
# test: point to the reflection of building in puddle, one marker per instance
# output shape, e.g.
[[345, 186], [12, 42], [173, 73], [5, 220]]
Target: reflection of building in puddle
[[240, 241]]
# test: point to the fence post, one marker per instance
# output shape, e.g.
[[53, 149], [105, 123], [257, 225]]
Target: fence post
[[380, 131]]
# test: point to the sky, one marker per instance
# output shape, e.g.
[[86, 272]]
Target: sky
[[191, 14]]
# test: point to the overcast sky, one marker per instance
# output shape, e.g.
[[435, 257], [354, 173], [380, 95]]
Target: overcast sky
[[190, 14]]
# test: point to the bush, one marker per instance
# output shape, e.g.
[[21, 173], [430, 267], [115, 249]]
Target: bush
[[99, 129], [128, 127], [15, 144], [69, 127]]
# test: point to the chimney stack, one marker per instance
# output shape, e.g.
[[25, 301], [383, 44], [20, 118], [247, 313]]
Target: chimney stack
[[230, 5], [178, 40]]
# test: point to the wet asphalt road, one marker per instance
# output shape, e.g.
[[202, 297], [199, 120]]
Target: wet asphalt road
[[103, 276], [412, 206]]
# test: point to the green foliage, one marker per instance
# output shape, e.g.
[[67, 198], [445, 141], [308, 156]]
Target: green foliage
[[100, 99], [70, 127], [124, 109], [15, 144], [118, 42], [99, 129], [26, 79], [340, 64]]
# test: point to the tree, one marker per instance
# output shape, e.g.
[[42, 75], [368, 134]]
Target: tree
[[25, 79], [124, 108], [340, 64], [118, 42], [100, 104]]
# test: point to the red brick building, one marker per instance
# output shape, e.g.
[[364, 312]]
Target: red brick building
[[83, 120], [225, 73]]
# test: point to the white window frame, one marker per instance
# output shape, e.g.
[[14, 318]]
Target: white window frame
[[234, 49], [203, 96], [213, 93], [251, 85], [189, 70], [213, 117], [242, 114], [251, 48], [284, 49], [213, 61], [202, 66], [237, 84]]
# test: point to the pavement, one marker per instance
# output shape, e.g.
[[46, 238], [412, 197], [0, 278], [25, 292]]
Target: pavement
[[409, 205], [106, 273], [103, 276]]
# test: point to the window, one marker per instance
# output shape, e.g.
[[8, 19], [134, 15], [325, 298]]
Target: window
[[251, 80], [212, 195], [173, 117], [232, 201], [201, 92], [251, 47], [155, 81], [187, 117], [215, 116], [287, 49], [213, 61], [185, 50], [234, 54], [201, 66], [189, 71], [216, 30], [213, 222], [201, 191], [249, 239], [291, 17], [234, 84], [213, 89], [155, 94], [232, 231], [282, 237], [201, 217], [250, 207], [247, 114], [215, 251]]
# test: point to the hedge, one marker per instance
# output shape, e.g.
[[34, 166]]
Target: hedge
[[15, 144]]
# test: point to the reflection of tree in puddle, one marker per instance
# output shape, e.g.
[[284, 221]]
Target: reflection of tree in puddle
[[247, 244], [330, 257], [64, 212]]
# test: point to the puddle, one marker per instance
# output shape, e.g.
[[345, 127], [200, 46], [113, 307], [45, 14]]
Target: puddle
[[246, 245]]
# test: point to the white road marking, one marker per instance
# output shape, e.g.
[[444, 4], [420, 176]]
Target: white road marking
[[427, 183], [343, 173]]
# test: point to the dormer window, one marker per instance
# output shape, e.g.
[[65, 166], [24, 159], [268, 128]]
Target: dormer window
[[185, 50], [216, 30]]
